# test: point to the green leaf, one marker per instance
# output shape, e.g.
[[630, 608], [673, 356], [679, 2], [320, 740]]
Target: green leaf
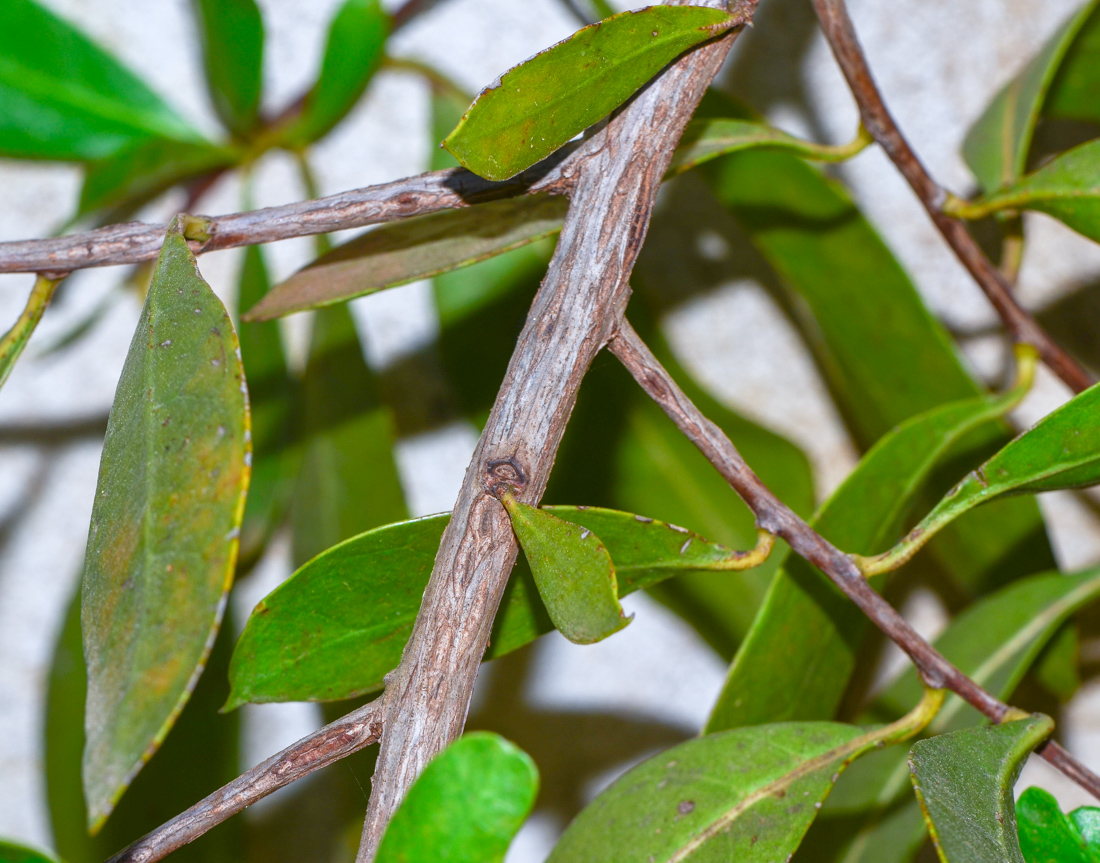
[[276, 455], [199, 755], [1061, 451], [537, 107], [340, 622], [165, 523], [412, 249], [993, 642], [141, 171], [354, 51], [801, 651], [15, 340], [964, 783], [1046, 833], [62, 97], [233, 48], [1074, 93], [348, 480], [466, 806], [11, 852], [709, 138], [573, 572], [747, 795], [997, 145], [1067, 188], [884, 356]]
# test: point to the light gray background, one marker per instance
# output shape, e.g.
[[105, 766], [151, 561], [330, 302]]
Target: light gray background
[[938, 63]]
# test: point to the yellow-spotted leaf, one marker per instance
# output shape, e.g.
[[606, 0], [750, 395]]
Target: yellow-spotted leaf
[[165, 523]]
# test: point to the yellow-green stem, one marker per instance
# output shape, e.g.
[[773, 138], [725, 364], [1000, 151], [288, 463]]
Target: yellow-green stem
[[1027, 358], [739, 560], [15, 339], [840, 152]]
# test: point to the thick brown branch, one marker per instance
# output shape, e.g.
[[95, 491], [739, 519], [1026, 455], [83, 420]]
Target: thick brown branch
[[353, 732], [134, 242], [618, 172], [776, 517], [838, 28]]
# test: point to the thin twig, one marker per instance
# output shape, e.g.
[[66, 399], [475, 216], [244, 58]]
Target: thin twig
[[409, 10], [775, 516], [134, 242], [841, 35], [341, 738]]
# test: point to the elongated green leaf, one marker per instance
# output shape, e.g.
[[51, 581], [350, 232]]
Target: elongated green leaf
[[276, 456], [1047, 834], [165, 524], [414, 249], [538, 106], [1061, 451], [994, 642], [199, 755], [466, 806], [573, 572], [12, 852], [964, 782], [709, 138], [339, 624], [1067, 187], [997, 145], [348, 481], [746, 795], [353, 53], [1075, 91], [62, 97], [141, 171], [15, 340], [233, 48], [802, 648]]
